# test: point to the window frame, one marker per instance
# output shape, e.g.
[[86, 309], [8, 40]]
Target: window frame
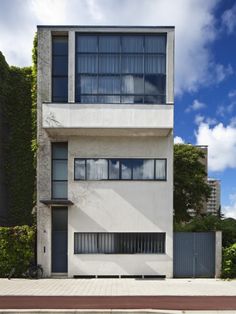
[[52, 181], [120, 171], [121, 74], [52, 68]]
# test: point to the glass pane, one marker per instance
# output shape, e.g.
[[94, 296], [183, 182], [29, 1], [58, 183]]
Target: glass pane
[[161, 99], [155, 64], [80, 169], [155, 84], [59, 189], [160, 169], [132, 64], [106, 243], [109, 64], [132, 99], [60, 65], [87, 84], [87, 63], [132, 43], [109, 43], [88, 99], [109, 85], [97, 169], [59, 45], [60, 89], [59, 170], [126, 169], [132, 84], [155, 44], [143, 169], [114, 169], [108, 99], [86, 43], [59, 150]]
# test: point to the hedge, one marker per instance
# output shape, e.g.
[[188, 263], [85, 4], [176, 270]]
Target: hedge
[[229, 262], [16, 249]]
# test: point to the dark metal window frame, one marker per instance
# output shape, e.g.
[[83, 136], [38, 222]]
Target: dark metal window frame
[[120, 74], [59, 76], [52, 181], [120, 171], [125, 237]]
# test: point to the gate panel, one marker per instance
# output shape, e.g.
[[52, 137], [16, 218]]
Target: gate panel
[[205, 254], [183, 254], [194, 254]]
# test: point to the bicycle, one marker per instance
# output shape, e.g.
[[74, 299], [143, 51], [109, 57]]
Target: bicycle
[[33, 272]]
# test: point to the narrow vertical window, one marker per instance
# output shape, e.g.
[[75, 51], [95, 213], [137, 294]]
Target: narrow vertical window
[[59, 170], [59, 69]]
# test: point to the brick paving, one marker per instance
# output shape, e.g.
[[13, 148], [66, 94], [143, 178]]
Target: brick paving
[[119, 302]]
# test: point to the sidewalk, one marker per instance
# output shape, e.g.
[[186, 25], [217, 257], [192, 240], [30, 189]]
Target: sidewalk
[[117, 296], [117, 287]]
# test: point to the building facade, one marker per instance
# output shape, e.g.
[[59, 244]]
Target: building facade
[[105, 150], [214, 202]]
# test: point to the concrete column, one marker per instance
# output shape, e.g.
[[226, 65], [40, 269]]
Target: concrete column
[[71, 67], [170, 68], [218, 253]]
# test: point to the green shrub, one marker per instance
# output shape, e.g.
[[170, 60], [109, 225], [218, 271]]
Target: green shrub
[[229, 262], [16, 249]]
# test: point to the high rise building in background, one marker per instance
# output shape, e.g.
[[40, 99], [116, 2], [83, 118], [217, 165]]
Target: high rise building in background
[[214, 203], [105, 157]]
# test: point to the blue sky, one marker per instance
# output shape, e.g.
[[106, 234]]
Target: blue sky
[[205, 62]]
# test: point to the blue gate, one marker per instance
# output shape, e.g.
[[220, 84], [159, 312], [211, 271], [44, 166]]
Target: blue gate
[[194, 254]]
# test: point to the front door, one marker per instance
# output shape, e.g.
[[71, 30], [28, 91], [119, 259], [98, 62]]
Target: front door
[[59, 239]]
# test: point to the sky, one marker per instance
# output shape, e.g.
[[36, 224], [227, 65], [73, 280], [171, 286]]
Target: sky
[[205, 63]]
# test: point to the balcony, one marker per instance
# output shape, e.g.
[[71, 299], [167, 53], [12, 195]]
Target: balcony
[[107, 119]]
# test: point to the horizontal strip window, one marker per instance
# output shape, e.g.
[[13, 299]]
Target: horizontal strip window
[[119, 243], [92, 169]]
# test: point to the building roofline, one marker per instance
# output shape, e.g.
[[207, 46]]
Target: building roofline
[[104, 26]]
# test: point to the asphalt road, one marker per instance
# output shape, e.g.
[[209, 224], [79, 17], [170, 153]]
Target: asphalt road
[[119, 302]]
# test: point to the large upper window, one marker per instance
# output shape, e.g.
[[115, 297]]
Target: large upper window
[[59, 69], [121, 68]]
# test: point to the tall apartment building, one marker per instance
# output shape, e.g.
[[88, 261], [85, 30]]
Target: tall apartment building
[[214, 203], [105, 156]]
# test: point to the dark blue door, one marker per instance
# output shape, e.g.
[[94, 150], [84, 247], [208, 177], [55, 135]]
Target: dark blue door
[[59, 239]]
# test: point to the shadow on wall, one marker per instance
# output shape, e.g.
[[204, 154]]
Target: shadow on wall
[[117, 206]]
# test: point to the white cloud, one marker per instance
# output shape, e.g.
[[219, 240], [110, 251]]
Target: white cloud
[[229, 19], [199, 119], [222, 72], [232, 93], [194, 62], [178, 140], [221, 141], [196, 105], [230, 210]]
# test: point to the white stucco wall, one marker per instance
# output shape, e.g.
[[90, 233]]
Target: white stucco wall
[[120, 206]]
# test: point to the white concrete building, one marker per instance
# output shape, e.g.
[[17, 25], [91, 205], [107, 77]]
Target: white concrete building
[[105, 156], [214, 203]]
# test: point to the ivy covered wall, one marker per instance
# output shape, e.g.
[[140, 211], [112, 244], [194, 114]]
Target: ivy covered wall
[[17, 158]]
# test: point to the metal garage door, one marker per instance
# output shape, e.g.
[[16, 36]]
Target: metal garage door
[[194, 254]]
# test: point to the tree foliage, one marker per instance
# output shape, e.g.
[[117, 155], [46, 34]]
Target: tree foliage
[[190, 186], [229, 262]]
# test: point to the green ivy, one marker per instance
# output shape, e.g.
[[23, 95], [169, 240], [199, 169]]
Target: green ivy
[[16, 249], [19, 170]]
